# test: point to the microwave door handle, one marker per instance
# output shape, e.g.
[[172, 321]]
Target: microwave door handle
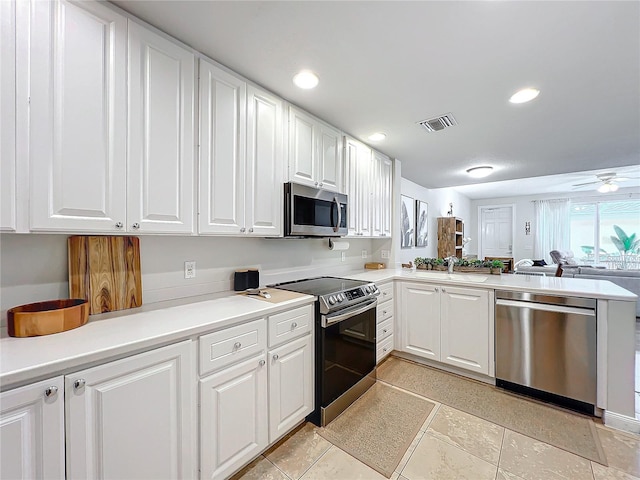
[[337, 226]]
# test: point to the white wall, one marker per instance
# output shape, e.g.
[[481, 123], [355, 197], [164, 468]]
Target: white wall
[[524, 212], [34, 267], [438, 200]]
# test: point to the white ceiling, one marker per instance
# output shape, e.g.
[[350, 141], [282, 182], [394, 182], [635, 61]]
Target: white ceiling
[[385, 65]]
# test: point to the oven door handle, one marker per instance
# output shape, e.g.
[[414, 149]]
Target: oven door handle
[[327, 320]]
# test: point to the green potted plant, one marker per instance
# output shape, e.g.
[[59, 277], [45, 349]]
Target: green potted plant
[[421, 263], [496, 266], [438, 264]]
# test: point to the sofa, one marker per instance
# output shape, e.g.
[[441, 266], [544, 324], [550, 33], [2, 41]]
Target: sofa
[[627, 279]]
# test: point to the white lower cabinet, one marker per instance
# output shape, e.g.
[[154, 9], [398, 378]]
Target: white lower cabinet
[[384, 322], [447, 324], [290, 385], [233, 417], [133, 418], [32, 431]]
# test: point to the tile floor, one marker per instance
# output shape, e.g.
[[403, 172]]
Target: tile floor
[[455, 445]]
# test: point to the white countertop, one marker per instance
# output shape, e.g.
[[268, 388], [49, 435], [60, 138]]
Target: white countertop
[[126, 332], [573, 287]]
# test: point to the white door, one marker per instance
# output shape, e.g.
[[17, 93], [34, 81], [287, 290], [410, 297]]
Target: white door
[[464, 328], [8, 115], [420, 310], [223, 99], [233, 418], [351, 184], [133, 418], [496, 226], [386, 182], [302, 148], [290, 385], [264, 191], [32, 431], [77, 129], [160, 174], [329, 158]]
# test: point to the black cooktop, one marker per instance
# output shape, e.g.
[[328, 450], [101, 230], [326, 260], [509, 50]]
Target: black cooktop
[[320, 285]]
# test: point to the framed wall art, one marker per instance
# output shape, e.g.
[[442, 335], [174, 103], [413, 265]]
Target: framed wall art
[[422, 223], [407, 222]]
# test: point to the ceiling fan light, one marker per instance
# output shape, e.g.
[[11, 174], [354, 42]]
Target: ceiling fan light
[[605, 188], [613, 187], [480, 172]]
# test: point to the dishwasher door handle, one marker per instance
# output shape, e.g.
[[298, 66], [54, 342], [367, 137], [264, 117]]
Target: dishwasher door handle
[[547, 308]]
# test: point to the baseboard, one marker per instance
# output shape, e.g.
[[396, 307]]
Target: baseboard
[[621, 422]]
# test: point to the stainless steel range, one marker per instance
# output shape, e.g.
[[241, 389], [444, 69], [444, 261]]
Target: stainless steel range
[[345, 340]]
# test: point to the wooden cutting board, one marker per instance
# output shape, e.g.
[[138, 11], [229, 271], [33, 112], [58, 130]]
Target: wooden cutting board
[[105, 271]]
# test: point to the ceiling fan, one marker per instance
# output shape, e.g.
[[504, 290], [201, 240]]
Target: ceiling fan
[[608, 182]]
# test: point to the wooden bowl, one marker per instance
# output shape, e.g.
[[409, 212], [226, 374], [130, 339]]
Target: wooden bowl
[[45, 318]]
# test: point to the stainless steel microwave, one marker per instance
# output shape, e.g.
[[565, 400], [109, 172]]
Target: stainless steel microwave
[[312, 212]]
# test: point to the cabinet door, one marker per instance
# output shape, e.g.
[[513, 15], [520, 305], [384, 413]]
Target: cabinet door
[[385, 200], [77, 137], [376, 194], [330, 164], [465, 328], [290, 385], [161, 138], [352, 184], [133, 418], [302, 148], [365, 177], [32, 431], [265, 164], [421, 314], [233, 417], [223, 100], [8, 115]]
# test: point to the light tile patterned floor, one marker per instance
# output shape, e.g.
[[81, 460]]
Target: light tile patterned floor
[[455, 445]]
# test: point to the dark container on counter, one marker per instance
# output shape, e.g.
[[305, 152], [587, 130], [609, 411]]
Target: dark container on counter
[[241, 280], [254, 278]]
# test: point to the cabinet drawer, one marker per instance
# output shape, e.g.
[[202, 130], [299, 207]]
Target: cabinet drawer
[[386, 292], [384, 311], [384, 329], [384, 348], [231, 345], [287, 325]]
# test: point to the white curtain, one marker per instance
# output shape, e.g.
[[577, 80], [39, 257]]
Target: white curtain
[[552, 228]]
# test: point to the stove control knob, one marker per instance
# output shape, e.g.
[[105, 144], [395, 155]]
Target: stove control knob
[[342, 297], [332, 300], [338, 297]]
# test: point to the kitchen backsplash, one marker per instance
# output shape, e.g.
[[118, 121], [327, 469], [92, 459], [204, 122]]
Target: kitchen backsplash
[[34, 266]]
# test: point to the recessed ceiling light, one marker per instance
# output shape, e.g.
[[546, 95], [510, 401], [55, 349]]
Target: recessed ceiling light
[[480, 172], [524, 95], [377, 137], [306, 79]]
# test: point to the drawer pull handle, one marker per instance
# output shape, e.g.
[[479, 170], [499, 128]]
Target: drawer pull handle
[[237, 345], [384, 331], [261, 363], [384, 312], [276, 357], [294, 325], [436, 289], [51, 391], [384, 349], [78, 384], [119, 225], [384, 294], [444, 291]]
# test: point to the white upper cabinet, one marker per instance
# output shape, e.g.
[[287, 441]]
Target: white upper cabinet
[[351, 184], [223, 100], [77, 130], [382, 183], [241, 156], [264, 194], [7, 115], [315, 152], [161, 134]]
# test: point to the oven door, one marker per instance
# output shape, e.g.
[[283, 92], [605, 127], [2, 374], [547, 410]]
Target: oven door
[[313, 212], [348, 357]]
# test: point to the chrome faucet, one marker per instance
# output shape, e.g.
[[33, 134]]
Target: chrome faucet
[[451, 261]]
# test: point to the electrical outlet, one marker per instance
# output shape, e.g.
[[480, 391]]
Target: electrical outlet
[[385, 253], [364, 254], [189, 269], [343, 256]]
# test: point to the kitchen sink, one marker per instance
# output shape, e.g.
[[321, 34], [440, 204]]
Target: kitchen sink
[[452, 276]]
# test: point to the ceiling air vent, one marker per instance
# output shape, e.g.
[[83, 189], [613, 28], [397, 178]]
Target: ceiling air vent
[[438, 123]]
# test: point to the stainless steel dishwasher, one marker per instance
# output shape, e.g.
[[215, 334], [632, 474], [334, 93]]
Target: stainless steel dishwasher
[[546, 347]]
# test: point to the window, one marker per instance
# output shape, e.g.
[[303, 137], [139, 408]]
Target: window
[[592, 226]]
